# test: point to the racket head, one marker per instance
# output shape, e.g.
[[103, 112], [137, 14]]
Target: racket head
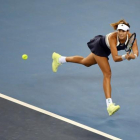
[[130, 43]]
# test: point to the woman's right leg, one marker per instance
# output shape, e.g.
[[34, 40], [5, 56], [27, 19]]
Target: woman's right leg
[[87, 61], [58, 60]]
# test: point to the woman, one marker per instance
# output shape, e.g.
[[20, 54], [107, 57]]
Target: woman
[[101, 47]]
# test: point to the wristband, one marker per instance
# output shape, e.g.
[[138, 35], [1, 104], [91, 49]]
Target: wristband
[[123, 57], [135, 56]]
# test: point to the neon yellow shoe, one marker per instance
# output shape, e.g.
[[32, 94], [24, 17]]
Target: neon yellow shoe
[[112, 108], [55, 63]]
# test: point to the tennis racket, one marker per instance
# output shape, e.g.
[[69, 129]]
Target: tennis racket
[[130, 43]]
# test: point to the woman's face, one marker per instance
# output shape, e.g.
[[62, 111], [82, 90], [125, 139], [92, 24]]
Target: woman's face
[[122, 34]]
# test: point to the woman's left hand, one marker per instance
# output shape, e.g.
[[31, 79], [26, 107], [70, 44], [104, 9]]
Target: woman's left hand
[[130, 56]]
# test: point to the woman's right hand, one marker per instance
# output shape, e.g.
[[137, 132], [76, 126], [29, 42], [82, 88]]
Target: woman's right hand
[[128, 57]]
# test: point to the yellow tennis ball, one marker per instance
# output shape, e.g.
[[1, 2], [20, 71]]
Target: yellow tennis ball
[[25, 56]]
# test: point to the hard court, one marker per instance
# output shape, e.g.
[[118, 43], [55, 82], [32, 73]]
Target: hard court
[[36, 103]]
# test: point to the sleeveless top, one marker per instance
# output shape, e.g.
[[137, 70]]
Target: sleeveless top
[[100, 46], [119, 45]]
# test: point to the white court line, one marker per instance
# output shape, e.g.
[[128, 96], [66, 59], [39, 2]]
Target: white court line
[[58, 117]]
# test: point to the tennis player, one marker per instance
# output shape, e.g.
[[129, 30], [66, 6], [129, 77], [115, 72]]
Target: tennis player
[[101, 47]]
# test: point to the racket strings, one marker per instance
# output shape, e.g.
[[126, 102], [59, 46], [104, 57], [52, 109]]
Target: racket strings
[[130, 43], [131, 40]]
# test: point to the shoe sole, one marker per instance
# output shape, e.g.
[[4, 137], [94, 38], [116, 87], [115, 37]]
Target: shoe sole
[[114, 111], [53, 62]]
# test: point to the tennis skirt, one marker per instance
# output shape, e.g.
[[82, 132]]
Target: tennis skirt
[[98, 46]]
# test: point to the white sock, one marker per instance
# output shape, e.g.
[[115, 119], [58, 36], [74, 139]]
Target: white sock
[[62, 59], [108, 101]]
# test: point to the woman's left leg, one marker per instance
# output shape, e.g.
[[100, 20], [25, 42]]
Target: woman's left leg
[[106, 70], [105, 67]]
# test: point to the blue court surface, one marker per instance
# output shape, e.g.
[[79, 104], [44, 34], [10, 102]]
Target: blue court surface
[[38, 28]]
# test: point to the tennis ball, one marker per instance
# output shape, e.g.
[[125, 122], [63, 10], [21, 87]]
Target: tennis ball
[[25, 56]]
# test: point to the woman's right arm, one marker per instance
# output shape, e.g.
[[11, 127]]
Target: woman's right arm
[[113, 48]]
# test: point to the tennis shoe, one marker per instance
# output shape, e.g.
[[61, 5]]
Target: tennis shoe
[[55, 63], [112, 108]]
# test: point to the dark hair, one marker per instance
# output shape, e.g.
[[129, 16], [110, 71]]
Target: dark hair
[[115, 25]]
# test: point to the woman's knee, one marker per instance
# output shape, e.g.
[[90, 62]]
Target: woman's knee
[[86, 64], [107, 74]]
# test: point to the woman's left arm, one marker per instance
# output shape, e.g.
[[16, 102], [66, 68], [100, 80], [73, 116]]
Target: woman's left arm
[[135, 50]]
